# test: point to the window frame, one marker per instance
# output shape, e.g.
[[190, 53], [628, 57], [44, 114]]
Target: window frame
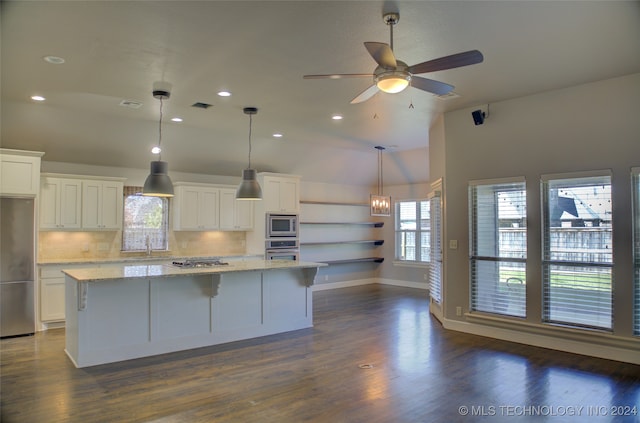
[[418, 234], [635, 223], [550, 264], [489, 293], [160, 242]]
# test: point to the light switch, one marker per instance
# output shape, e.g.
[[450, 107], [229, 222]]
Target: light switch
[[453, 244]]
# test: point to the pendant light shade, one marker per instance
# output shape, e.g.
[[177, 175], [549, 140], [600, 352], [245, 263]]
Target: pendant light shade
[[380, 204], [249, 188], [158, 183]]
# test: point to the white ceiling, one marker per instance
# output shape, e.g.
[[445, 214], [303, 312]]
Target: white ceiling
[[259, 50]]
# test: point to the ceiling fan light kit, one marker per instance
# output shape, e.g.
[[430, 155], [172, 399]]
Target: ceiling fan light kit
[[158, 183], [393, 76]]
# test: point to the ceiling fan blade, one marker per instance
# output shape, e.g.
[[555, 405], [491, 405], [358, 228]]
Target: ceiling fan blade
[[365, 95], [429, 85], [382, 54], [339, 76], [448, 62]]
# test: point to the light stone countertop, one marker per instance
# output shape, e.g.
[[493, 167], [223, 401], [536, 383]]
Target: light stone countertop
[[127, 271], [139, 259]]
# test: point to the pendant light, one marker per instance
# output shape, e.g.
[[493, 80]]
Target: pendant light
[[249, 188], [380, 204], [158, 183]]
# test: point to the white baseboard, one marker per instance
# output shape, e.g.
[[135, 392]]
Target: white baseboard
[[369, 281], [557, 341]]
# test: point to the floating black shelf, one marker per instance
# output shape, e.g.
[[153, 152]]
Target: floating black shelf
[[360, 260], [365, 241]]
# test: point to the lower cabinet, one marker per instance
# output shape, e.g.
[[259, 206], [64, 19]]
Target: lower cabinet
[[51, 294]]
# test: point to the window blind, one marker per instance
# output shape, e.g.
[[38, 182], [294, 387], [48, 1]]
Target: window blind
[[498, 247], [635, 186], [577, 251], [435, 266]]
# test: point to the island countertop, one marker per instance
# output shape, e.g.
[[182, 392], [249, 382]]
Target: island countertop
[[133, 271]]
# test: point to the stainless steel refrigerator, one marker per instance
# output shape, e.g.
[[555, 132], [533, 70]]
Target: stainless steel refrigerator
[[17, 240]]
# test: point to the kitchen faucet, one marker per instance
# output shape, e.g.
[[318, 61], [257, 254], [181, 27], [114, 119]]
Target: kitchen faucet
[[148, 244]]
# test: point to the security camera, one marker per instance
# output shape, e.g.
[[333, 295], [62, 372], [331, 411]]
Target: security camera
[[478, 117]]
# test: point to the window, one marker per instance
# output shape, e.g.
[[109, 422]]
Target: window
[[577, 256], [412, 231], [145, 221], [635, 186], [498, 244]]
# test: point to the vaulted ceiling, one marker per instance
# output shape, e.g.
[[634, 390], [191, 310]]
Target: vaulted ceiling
[[259, 51]]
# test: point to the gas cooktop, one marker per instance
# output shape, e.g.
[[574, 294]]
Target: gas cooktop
[[199, 263]]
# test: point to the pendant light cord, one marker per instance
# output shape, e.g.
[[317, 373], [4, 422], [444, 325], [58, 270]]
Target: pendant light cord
[[250, 122], [160, 133]]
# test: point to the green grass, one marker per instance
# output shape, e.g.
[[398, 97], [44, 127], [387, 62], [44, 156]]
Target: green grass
[[565, 279]]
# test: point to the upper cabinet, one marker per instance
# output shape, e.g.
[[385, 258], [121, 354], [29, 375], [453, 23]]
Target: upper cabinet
[[60, 203], [281, 193], [69, 202], [205, 207], [196, 208], [19, 172], [102, 205], [235, 215]]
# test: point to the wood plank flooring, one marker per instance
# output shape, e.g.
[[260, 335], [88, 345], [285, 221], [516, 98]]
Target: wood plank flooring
[[418, 372]]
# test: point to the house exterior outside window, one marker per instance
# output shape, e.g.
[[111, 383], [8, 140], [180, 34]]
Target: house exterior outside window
[[412, 231]]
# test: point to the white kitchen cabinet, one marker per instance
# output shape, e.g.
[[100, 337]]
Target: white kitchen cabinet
[[102, 204], [196, 208], [51, 294], [281, 194], [235, 215], [19, 172], [60, 203]]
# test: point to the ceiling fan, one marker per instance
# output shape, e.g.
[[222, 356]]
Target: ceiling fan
[[392, 75]]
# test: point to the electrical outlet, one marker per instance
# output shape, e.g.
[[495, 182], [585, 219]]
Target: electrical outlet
[[426, 277], [326, 278], [458, 311]]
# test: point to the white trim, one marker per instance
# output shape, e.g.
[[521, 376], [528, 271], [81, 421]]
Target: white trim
[[498, 181], [343, 284], [575, 175], [407, 284], [594, 345], [414, 264]]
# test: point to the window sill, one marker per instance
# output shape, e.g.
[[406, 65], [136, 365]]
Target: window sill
[[416, 264]]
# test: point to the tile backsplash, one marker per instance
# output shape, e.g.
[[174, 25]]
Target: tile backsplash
[[107, 245]]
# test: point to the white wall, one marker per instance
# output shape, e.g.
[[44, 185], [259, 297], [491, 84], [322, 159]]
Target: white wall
[[587, 127]]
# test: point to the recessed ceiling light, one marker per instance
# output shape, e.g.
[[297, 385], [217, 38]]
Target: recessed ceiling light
[[224, 93], [37, 98], [336, 117], [54, 60], [277, 135], [156, 150], [176, 119]]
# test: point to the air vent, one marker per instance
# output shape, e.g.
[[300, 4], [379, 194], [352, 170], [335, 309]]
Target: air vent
[[448, 96], [200, 105], [131, 104]]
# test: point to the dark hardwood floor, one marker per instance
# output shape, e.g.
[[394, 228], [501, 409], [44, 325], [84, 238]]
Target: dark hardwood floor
[[374, 355]]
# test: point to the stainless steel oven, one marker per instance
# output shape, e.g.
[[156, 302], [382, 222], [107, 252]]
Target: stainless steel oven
[[282, 249]]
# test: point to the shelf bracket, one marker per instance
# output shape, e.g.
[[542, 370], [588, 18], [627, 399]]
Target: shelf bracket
[[216, 278], [309, 275]]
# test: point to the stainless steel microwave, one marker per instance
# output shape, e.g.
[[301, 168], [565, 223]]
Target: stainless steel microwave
[[282, 225]]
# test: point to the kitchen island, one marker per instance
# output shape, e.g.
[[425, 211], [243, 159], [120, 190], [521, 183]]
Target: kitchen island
[[131, 311]]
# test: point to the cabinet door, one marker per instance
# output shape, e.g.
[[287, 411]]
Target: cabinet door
[[51, 295], [281, 194], [70, 205], [19, 174], [227, 208], [91, 204], [235, 215], [49, 203], [187, 215], [208, 209], [60, 203], [112, 205]]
